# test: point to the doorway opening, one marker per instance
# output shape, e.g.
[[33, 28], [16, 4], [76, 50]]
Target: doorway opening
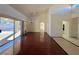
[[42, 30]]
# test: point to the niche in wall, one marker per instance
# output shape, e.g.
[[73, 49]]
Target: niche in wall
[[0, 31], [63, 27]]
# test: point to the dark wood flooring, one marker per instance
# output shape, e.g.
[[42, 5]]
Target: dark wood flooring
[[40, 44]]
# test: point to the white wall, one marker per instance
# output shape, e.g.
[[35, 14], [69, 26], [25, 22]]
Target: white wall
[[56, 25], [73, 27], [58, 14], [27, 26], [43, 17]]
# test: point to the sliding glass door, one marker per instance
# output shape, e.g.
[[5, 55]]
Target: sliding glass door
[[10, 36], [6, 35]]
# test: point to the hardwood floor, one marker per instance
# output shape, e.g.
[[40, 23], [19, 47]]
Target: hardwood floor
[[40, 44]]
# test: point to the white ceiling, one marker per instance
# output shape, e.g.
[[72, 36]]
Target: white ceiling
[[31, 10]]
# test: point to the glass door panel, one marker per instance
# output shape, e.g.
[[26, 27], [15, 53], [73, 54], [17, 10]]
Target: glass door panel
[[17, 40]]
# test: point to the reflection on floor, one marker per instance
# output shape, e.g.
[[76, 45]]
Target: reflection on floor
[[70, 48], [39, 44], [7, 49]]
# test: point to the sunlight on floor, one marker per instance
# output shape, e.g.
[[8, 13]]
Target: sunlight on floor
[[70, 48]]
